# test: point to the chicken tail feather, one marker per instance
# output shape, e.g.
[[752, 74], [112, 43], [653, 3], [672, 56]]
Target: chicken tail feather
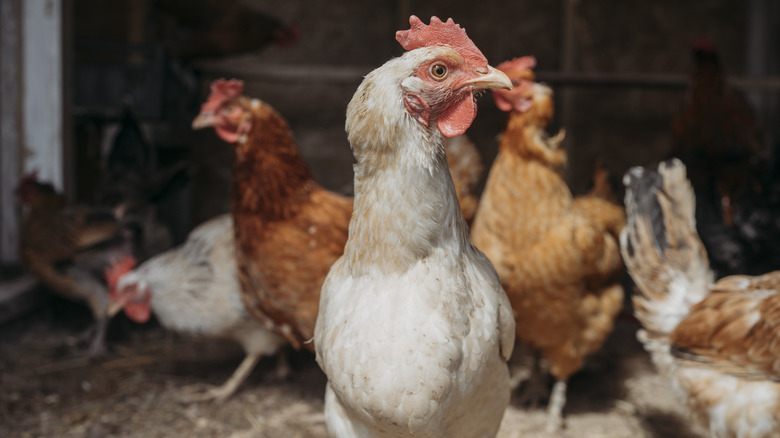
[[661, 248]]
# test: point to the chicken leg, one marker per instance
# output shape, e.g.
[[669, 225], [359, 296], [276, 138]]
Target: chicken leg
[[555, 406], [534, 388], [221, 393]]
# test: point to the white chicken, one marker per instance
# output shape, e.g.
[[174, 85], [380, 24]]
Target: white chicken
[[414, 329], [194, 289]]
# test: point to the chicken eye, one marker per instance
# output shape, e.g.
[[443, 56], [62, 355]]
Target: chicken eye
[[439, 71]]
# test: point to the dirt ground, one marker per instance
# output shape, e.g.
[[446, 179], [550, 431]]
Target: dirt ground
[[50, 390]]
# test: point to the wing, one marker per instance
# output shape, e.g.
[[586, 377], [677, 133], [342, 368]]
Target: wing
[[737, 327], [282, 265]]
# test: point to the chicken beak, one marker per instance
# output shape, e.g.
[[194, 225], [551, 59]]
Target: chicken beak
[[491, 78], [115, 307], [204, 120]]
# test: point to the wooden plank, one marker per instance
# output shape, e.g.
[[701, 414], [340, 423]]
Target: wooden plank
[[20, 296]]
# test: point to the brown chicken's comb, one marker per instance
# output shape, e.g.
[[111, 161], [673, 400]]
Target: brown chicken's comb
[[117, 269], [436, 34], [221, 90], [521, 67]]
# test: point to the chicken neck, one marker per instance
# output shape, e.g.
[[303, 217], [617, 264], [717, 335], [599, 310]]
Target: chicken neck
[[270, 177], [405, 201]]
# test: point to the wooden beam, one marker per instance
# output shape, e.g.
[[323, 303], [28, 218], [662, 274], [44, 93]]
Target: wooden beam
[[19, 296], [325, 74]]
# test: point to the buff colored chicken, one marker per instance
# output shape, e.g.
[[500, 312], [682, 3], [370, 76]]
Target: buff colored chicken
[[717, 342], [557, 256]]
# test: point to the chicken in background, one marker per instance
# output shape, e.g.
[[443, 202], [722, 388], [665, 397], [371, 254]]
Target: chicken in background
[[414, 330], [67, 247], [717, 342], [208, 28], [288, 228], [137, 189], [557, 256], [194, 289], [719, 138], [465, 164]]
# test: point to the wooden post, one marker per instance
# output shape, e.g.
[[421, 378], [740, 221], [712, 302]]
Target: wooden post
[[567, 96], [10, 128], [762, 46], [42, 100]]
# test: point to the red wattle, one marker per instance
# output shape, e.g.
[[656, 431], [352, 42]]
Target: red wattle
[[457, 118], [138, 312]]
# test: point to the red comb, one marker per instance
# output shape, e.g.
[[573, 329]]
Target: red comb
[[523, 63], [117, 269], [438, 33], [221, 90]]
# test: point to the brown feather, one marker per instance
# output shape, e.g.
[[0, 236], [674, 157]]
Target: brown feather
[[289, 230], [738, 325]]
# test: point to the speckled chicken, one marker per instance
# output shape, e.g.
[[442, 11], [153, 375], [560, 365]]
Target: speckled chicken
[[414, 330], [557, 255], [717, 342], [194, 289]]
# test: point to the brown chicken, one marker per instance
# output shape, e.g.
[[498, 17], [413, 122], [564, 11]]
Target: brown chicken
[[718, 342], [289, 229], [68, 246], [557, 256]]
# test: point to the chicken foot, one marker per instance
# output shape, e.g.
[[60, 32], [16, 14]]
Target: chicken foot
[[223, 392], [533, 390], [94, 335], [97, 346]]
